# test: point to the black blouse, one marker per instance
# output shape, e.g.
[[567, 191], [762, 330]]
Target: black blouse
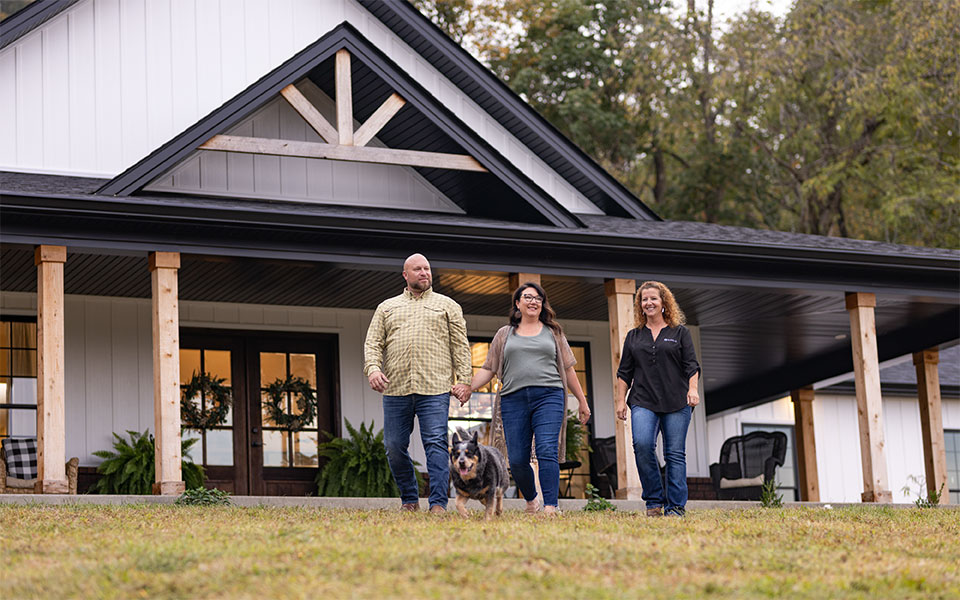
[[658, 372]]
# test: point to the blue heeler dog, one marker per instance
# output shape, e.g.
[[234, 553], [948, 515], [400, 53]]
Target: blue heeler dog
[[479, 472]]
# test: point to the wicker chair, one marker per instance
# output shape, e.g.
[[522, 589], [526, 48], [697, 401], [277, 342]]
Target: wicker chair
[[15, 485], [746, 462]]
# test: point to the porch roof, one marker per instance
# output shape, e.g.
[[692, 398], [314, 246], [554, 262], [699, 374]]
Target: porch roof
[[769, 304]]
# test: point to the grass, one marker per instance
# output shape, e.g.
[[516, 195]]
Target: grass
[[159, 551]]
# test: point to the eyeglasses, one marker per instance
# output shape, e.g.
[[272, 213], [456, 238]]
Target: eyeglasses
[[529, 298]]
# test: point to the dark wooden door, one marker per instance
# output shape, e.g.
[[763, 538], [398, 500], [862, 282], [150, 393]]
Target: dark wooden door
[[251, 454]]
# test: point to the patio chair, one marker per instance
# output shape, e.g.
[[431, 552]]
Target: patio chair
[[746, 462], [603, 466], [18, 467]]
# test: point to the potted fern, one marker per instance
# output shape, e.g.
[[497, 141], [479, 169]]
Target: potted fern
[[129, 468], [357, 466]]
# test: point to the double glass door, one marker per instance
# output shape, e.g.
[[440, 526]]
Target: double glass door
[[263, 445]]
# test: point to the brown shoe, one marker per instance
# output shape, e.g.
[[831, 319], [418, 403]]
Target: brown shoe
[[436, 509], [412, 507], [655, 512]]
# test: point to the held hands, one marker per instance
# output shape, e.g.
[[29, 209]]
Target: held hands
[[693, 397], [378, 381], [462, 391]]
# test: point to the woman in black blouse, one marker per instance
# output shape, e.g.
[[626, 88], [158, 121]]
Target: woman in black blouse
[[660, 367]]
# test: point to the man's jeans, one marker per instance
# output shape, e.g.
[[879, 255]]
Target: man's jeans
[[432, 412], [646, 424], [538, 412]]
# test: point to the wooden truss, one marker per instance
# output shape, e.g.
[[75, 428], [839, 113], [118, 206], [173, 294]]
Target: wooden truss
[[343, 142]]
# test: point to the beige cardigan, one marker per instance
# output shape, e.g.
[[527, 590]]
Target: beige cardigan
[[494, 362]]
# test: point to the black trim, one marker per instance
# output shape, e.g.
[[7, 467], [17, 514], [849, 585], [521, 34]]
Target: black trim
[[264, 90], [505, 106], [29, 18], [777, 382], [890, 389]]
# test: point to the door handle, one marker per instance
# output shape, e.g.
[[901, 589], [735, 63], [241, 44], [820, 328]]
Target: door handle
[[255, 444]]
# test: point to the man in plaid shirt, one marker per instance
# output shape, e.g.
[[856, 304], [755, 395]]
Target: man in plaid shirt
[[415, 353]]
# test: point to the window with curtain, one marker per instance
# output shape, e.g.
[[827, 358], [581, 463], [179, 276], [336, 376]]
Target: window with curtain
[[18, 377]]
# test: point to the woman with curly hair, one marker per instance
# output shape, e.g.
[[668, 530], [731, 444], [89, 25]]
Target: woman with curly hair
[[535, 366], [659, 365]]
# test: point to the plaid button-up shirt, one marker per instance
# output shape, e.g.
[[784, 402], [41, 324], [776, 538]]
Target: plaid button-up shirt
[[420, 344]]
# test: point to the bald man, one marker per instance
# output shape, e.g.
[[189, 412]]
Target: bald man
[[415, 353]]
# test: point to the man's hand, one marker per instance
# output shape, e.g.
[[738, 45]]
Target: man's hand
[[378, 381], [462, 391]]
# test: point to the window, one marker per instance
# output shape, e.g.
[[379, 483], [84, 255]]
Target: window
[[18, 377], [787, 474], [282, 447], [215, 445], [951, 440]]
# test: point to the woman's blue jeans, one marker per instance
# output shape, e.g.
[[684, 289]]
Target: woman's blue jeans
[[534, 413], [646, 424], [432, 411]]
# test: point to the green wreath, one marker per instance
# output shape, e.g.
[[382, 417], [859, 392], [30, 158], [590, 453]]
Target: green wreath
[[275, 403], [219, 398]]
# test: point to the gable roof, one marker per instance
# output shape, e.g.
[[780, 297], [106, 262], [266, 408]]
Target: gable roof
[[29, 18], [504, 190], [494, 96]]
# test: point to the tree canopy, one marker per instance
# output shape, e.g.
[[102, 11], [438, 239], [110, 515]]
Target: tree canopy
[[839, 118]]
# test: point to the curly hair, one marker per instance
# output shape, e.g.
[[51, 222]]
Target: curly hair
[[547, 316], [671, 310]]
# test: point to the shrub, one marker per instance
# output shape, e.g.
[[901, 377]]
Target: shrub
[[596, 502], [576, 436], [356, 467], [203, 497], [129, 469]]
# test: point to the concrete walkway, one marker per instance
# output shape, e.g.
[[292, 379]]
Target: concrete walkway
[[388, 503]]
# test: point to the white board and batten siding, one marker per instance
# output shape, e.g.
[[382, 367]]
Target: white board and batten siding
[[837, 436], [100, 86]]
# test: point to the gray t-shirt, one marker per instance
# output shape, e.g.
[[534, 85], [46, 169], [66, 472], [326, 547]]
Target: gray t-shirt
[[530, 360]]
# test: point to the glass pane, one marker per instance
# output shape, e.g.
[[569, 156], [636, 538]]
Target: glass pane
[[275, 449], [217, 364], [265, 414], [23, 422], [305, 366], [24, 363], [195, 453], [6, 388], [296, 410], [579, 353], [5, 334], [219, 447], [583, 383], [305, 449], [23, 335], [23, 390], [5, 363], [478, 353], [4, 422], [189, 364], [273, 366]]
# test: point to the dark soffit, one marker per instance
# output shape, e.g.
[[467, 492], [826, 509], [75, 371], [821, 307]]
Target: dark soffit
[[29, 18]]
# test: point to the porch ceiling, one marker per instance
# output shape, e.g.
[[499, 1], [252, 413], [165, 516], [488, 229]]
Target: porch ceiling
[[755, 343]]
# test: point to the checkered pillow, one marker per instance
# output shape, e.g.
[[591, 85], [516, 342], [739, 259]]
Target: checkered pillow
[[21, 457]]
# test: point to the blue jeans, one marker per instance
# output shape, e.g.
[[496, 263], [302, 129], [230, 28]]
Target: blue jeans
[[432, 411], [646, 424], [534, 412]]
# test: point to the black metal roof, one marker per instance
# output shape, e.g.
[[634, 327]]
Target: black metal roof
[[29, 18], [900, 379], [423, 124], [486, 89]]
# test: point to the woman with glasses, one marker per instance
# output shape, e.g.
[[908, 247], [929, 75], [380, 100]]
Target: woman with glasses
[[659, 365], [534, 364]]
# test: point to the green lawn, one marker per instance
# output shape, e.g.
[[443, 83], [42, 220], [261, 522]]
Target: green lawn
[[162, 551]]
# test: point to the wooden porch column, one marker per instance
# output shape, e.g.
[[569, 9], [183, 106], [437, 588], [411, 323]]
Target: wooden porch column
[[620, 315], [166, 372], [866, 368], [51, 433], [806, 445], [931, 422], [517, 278]]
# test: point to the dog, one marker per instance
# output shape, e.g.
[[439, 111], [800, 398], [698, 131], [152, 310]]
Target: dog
[[478, 472]]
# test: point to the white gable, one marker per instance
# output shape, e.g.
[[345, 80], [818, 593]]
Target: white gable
[[103, 84], [303, 179]]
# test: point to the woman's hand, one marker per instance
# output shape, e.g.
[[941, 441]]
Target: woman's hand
[[584, 413], [693, 397], [621, 410]]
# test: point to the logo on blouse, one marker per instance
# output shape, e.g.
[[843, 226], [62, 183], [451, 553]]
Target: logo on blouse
[[670, 340]]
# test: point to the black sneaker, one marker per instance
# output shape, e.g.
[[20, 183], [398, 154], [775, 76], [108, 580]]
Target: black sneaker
[[675, 511]]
